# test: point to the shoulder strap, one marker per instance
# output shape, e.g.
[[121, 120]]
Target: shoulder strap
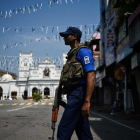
[[80, 47], [77, 50], [73, 53]]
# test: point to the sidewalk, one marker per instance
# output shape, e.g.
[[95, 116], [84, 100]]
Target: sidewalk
[[131, 116]]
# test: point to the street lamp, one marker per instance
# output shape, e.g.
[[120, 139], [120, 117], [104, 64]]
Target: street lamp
[[127, 13]]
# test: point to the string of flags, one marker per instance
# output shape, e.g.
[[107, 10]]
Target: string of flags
[[87, 31], [22, 10], [12, 63], [10, 46], [88, 28], [27, 42], [29, 9]]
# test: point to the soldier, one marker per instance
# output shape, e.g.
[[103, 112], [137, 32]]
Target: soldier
[[77, 78]]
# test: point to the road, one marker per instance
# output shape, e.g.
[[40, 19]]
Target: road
[[28, 120]]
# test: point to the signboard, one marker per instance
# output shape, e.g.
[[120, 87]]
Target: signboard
[[123, 49], [135, 60], [112, 21], [97, 79], [97, 63], [109, 55], [99, 76], [102, 73], [122, 32], [109, 37]]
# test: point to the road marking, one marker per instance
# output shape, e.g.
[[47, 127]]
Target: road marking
[[14, 104], [18, 108], [22, 104], [50, 103], [28, 103], [116, 122], [35, 103], [38, 103], [43, 103]]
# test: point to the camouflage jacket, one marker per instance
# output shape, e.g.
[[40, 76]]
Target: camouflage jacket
[[72, 71]]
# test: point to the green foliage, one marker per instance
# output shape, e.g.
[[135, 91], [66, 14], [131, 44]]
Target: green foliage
[[36, 96], [129, 1], [125, 6]]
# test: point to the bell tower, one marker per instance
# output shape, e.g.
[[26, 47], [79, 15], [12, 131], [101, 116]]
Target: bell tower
[[25, 62]]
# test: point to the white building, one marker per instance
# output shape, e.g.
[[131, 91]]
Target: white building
[[31, 78]]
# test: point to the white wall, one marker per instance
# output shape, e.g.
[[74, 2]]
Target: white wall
[[13, 87]]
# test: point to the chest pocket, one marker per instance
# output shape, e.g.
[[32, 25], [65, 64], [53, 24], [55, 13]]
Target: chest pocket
[[72, 72], [76, 70]]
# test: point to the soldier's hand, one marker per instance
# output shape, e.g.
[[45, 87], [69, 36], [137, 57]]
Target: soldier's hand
[[85, 109]]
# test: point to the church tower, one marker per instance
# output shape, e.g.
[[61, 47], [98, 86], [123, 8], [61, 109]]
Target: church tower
[[25, 62]]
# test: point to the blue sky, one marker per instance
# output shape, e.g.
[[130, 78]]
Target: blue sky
[[83, 14]]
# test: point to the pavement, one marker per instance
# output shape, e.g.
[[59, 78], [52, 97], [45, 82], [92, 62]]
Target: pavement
[[19, 117], [129, 116], [105, 110]]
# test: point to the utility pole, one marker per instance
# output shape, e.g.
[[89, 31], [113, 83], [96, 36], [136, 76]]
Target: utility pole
[[125, 89]]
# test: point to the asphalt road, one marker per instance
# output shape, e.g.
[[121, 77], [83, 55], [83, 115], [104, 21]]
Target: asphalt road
[[28, 120]]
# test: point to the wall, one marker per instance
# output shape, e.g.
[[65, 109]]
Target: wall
[[13, 87]]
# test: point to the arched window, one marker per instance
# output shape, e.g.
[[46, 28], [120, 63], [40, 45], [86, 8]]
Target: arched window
[[46, 91], [34, 90], [1, 93], [14, 94], [25, 94]]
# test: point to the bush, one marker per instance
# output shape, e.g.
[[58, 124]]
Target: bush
[[36, 96]]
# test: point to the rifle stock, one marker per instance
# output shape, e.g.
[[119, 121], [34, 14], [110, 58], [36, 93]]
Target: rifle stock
[[57, 101]]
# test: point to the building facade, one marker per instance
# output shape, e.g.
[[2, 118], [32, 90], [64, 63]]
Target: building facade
[[119, 28], [43, 78]]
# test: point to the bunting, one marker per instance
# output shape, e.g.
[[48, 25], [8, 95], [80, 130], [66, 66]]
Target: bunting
[[27, 42], [22, 10], [87, 31], [30, 8], [11, 63]]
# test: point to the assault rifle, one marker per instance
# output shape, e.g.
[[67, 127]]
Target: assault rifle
[[57, 101]]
